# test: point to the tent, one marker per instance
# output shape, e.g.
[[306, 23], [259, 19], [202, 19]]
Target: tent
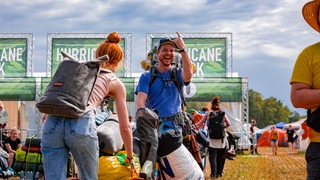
[[280, 125], [264, 141], [295, 125], [238, 130]]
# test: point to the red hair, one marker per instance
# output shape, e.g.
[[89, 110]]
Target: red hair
[[215, 103], [111, 48]]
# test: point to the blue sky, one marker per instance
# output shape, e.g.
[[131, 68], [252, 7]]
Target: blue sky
[[267, 36]]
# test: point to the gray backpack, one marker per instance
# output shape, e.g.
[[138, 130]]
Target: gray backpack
[[69, 90]]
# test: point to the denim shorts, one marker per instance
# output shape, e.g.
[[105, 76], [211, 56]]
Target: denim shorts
[[61, 135], [274, 140]]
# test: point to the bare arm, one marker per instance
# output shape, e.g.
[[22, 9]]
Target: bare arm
[[269, 139], [186, 61], [9, 148], [203, 119], [226, 119], [303, 96], [142, 98], [119, 92]]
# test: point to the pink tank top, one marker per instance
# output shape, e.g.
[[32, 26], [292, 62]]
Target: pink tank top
[[101, 87]]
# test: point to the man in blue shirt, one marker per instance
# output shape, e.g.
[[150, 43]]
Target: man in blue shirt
[[163, 95], [163, 135]]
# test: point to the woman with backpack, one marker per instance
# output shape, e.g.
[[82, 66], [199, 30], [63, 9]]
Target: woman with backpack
[[79, 136], [217, 123]]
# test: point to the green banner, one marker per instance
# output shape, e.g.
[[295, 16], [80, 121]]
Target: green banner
[[128, 83], [23, 89], [82, 49], [13, 57], [208, 55], [202, 90]]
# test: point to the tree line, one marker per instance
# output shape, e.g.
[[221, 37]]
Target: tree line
[[269, 111]]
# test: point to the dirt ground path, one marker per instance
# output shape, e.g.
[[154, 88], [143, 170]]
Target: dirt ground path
[[265, 166], [261, 167]]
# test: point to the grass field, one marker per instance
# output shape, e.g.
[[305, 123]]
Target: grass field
[[261, 167], [265, 166]]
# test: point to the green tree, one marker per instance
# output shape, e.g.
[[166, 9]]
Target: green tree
[[294, 116], [267, 111], [255, 106]]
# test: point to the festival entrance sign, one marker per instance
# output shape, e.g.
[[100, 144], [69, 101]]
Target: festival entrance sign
[[210, 52], [212, 55], [16, 52], [82, 46]]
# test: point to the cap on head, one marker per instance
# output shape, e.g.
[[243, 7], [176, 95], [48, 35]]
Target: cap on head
[[191, 111], [165, 41], [310, 12]]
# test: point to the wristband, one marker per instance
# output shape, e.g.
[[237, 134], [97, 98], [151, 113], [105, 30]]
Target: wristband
[[183, 50]]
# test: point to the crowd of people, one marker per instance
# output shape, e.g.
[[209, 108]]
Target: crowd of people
[[163, 97], [62, 136]]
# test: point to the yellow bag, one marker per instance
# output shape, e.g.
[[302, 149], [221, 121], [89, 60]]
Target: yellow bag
[[114, 167], [32, 157]]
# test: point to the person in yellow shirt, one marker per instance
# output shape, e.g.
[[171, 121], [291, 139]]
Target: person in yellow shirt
[[274, 139], [305, 86]]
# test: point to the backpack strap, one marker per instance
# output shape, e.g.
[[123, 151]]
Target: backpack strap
[[105, 100], [173, 78], [154, 74]]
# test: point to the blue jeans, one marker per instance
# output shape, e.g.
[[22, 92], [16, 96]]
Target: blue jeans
[[61, 135]]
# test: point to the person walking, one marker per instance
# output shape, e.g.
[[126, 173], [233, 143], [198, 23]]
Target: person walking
[[217, 147], [305, 86], [253, 138], [61, 135], [290, 136], [274, 138]]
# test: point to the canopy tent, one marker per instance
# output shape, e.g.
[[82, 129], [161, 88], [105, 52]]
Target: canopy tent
[[295, 125], [267, 128], [239, 130], [264, 140], [280, 125]]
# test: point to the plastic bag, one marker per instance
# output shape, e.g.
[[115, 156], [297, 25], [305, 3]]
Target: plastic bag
[[115, 168]]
